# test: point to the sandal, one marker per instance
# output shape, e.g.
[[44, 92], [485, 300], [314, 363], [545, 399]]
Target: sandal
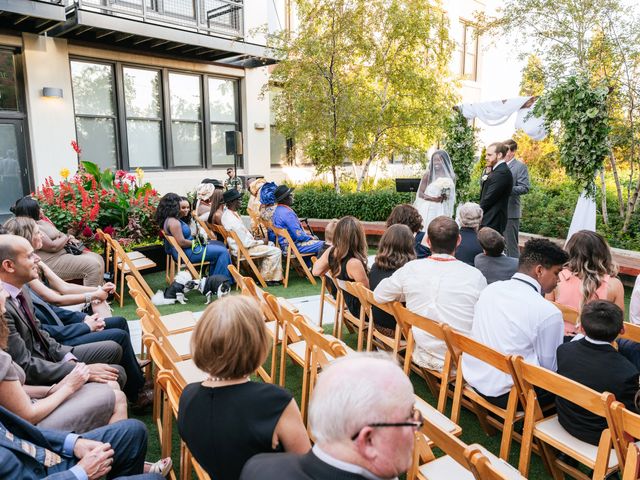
[[163, 466]]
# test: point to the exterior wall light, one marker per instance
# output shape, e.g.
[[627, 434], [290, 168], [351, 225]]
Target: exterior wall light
[[51, 92]]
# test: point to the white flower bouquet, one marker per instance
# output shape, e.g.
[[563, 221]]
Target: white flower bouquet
[[445, 184]]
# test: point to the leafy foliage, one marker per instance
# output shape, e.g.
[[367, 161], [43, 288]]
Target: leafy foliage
[[579, 111], [118, 203], [362, 80], [461, 145]]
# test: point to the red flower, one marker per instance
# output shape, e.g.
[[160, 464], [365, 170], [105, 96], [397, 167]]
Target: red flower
[[87, 232], [109, 230], [93, 214], [125, 187], [75, 146], [120, 173]]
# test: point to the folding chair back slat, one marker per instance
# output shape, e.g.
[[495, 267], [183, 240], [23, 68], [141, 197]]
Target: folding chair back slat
[[243, 255], [368, 301], [183, 259], [631, 332], [292, 250], [359, 322], [569, 314], [626, 426]]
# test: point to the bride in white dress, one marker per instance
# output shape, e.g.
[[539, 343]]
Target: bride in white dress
[[437, 191]]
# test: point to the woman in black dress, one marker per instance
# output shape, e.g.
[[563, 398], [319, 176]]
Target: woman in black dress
[[395, 249], [347, 258], [227, 419]]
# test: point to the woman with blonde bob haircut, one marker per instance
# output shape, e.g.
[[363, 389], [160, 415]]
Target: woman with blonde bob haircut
[[228, 418]]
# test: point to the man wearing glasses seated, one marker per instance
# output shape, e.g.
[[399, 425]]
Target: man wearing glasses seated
[[363, 420]]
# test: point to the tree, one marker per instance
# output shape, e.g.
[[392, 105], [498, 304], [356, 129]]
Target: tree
[[597, 40], [362, 80], [460, 142]]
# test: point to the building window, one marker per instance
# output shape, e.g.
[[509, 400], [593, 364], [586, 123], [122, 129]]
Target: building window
[[8, 82], [129, 116], [223, 117], [93, 95], [186, 119], [278, 140], [469, 52], [143, 117]]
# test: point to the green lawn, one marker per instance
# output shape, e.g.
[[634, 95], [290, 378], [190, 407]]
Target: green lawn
[[471, 431]]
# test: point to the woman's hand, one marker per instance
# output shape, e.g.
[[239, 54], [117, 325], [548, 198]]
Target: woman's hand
[[109, 287], [76, 378], [100, 295]]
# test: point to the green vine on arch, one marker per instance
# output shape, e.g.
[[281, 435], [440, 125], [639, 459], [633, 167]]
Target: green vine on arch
[[578, 111]]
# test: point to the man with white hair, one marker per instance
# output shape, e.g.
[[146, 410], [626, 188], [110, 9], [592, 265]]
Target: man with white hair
[[363, 419]]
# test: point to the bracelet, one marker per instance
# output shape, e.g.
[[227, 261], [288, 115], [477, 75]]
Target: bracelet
[[87, 299]]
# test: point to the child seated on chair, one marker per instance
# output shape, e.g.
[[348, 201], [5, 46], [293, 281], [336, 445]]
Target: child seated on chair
[[328, 236], [595, 362]]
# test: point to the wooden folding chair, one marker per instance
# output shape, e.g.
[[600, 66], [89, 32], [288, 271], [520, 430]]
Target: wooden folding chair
[[242, 254], [438, 382], [292, 251], [205, 226], [569, 314], [219, 231], [461, 345], [326, 295], [550, 435], [454, 464], [346, 317], [374, 337], [184, 260], [483, 466], [626, 432], [126, 265], [631, 332]]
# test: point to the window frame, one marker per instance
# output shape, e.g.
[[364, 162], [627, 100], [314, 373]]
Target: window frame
[[468, 25], [121, 136]]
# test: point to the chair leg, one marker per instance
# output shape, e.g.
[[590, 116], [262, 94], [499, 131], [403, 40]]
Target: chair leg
[[121, 287], [286, 276]]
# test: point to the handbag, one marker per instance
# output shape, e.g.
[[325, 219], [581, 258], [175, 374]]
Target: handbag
[[74, 248]]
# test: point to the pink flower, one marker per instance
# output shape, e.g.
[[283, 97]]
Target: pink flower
[[75, 147]]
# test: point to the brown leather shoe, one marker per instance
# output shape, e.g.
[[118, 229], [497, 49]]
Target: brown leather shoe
[[145, 400], [143, 363]]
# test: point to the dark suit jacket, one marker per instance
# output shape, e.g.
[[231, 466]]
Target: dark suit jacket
[[276, 466], [602, 368], [60, 323], [494, 198], [495, 269], [469, 246], [27, 352]]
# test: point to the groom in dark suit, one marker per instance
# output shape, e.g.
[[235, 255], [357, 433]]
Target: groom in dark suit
[[494, 196]]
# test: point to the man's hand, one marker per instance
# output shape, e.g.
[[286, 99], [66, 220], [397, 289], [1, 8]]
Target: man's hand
[[102, 373], [94, 322], [83, 446], [97, 463]]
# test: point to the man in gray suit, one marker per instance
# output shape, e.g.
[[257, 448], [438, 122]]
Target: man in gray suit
[[493, 264], [521, 186], [44, 360]]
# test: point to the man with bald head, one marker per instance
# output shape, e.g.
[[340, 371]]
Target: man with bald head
[[439, 287], [363, 419], [44, 360]]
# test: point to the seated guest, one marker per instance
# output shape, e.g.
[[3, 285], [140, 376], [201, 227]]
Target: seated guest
[[594, 362], [513, 318], [76, 327], [284, 217], [42, 358], [217, 208], [439, 287], [469, 218], [590, 274], [329, 231], [50, 287], [493, 263], [267, 201], [204, 193], [88, 266], [347, 258], [268, 257], [253, 206], [408, 215], [117, 450], [395, 249], [217, 184], [71, 404], [228, 419], [354, 396], [169, 218]]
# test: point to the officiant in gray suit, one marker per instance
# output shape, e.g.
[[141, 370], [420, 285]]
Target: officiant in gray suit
[[521, 186]]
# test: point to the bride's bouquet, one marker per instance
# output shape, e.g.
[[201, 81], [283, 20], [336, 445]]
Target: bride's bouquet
[[445, 184]]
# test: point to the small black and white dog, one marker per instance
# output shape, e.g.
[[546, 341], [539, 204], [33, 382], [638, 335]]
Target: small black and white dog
[[217, 285], [182, 284]]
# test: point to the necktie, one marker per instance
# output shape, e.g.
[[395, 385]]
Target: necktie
[[34, 326], [41, 455]]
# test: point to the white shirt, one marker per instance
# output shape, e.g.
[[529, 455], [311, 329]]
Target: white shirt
[[440, 288], [513, 318], [232, 221], [634, 304]]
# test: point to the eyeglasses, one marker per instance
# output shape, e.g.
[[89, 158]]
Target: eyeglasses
[[417, 420]]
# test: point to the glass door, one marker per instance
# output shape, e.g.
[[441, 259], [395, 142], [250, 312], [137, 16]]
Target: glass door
[[14, 173]]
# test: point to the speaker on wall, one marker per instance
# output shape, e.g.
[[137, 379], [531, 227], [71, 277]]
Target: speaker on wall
[[233, 142]]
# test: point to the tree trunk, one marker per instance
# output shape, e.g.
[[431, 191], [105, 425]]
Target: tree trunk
[[633, 199], [336, 183], [616, 178], [603, 185], [364, 173]]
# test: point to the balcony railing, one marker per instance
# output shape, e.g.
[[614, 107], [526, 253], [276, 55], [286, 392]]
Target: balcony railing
[[213, 17]]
